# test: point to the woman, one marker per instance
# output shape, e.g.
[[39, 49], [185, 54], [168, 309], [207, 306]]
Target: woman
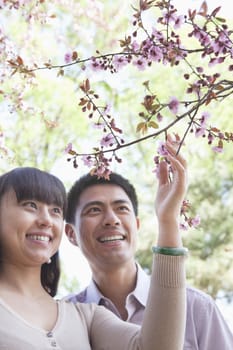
[[32, 209]]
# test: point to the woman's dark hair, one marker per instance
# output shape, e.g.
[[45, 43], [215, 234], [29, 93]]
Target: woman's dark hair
[[32, 183], [50, 275]]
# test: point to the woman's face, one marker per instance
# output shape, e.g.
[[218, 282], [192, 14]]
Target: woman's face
[[30, 230]]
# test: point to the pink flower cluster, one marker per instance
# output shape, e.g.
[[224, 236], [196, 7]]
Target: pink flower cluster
[[201, 127]]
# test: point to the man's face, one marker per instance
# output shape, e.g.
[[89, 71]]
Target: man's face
[[106, 226]]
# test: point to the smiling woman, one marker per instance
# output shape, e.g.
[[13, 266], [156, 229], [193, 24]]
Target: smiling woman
[[32, 210], [23, 191]]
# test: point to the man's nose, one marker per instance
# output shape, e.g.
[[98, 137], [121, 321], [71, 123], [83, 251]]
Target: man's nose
[[111, 218]]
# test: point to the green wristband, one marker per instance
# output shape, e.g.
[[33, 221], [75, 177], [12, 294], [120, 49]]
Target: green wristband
[[170, 251]]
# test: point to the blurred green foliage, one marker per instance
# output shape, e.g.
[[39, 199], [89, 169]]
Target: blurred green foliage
[[39, 120]]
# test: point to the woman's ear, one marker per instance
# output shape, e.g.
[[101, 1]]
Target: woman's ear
[[138, 222], [70, 233]]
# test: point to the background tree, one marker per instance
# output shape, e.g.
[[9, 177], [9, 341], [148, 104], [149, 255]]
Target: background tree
[[67, 66]]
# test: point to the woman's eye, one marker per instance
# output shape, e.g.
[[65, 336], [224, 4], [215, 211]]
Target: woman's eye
[[30, 204], [58, 211]]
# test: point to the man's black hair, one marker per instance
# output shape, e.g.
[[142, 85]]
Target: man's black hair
[[89, 180]]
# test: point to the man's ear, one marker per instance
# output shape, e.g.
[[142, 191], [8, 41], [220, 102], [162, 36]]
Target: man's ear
[[70, 233]]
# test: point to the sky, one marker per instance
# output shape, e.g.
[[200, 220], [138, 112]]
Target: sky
[[73, 261]]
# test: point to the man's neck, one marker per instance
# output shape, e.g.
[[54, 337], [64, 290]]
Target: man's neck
[[116, 284]]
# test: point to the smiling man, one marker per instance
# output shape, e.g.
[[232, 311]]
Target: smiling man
[[102, 222], [102, 219]]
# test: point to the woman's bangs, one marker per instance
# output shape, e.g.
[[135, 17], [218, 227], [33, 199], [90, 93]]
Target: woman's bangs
[[30, 183]]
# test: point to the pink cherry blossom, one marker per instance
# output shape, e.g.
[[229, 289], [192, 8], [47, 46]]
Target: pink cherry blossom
[[204, 117], [98, 125], [217, 149], [107, 109], [200, 131], [119, 61], [155, 54], [87, 160], [68, 57], [68, 147], [107, 140], [161, 150], [183, 227], [135, 46], [140, 63], [179, 21], [194, 222], [173, 105], [159, 117], [95, 65]]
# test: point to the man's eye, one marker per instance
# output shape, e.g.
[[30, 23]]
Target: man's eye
[[93, 210], [123, 208]]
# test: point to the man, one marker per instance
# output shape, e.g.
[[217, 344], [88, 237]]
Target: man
[[118, 281]]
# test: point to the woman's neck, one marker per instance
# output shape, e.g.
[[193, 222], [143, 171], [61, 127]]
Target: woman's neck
[[22, 281]]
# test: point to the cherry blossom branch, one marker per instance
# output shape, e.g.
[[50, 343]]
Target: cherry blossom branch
[[151, 43]]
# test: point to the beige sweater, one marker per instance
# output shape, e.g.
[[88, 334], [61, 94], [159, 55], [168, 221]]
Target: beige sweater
[[89, 326]]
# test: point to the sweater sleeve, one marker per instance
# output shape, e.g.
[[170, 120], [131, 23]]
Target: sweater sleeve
[[164, 318], [165, 313]]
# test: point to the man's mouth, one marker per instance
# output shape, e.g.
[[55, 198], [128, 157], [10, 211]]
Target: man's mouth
[[111, 238]]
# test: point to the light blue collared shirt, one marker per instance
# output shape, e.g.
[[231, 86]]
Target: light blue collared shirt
[[206, 328]]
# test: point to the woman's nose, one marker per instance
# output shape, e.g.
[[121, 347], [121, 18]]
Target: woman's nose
[[44, 218]]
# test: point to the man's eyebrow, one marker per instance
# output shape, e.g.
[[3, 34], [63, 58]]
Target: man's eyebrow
[[121, 201], [91, 203], [100, 203]]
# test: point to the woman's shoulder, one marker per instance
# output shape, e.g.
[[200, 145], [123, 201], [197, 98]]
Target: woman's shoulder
[[85, 310]]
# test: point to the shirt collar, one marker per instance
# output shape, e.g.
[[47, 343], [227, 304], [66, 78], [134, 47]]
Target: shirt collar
[[93, 295], [140, 292], [142, 286]]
